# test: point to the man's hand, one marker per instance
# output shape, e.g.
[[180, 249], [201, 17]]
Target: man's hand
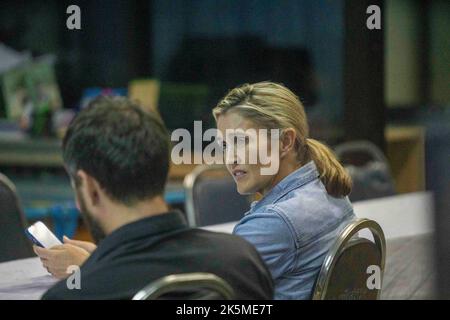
[[58, 258], [88, 246]]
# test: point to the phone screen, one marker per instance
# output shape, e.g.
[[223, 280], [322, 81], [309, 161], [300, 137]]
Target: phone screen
[[42, 236]]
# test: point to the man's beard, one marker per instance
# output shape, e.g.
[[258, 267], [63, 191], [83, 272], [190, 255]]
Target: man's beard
[[93, 226]]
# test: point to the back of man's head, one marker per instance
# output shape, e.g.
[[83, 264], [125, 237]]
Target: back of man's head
[[121, 146]]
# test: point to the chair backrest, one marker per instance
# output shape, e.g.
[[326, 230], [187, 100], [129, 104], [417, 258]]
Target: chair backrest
[[368, 168], [13, 242], [212, 197], [191, 286], [349, 264]]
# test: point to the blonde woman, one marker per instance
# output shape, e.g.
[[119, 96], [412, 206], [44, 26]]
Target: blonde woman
[[304, 203]]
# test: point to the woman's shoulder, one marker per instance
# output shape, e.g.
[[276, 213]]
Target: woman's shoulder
[[306, 212], [266, 224]]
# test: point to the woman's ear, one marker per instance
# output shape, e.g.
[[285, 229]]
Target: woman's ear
[[287, 141]]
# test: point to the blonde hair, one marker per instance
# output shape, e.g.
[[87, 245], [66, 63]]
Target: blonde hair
[[273, 106]]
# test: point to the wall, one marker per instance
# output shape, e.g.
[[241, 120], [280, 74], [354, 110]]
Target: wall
[[315, 25]]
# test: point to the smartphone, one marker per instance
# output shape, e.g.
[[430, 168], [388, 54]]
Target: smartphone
[[42, 236]]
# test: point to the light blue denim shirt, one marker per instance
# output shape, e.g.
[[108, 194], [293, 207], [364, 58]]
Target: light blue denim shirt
[[293, 227]]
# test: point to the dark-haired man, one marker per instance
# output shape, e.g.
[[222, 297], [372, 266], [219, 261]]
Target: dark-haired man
[[118, 159]]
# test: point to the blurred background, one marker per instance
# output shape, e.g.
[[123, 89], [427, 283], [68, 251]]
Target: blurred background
[[379, 98]]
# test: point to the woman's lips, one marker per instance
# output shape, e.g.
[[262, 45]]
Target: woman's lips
[[239, 174]]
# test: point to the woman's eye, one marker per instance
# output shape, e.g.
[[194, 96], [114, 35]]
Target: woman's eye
[[237, 141]]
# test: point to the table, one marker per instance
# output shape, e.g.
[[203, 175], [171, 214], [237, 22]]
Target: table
[[410, 271], [24, 279], [399, 216], [28, 152]]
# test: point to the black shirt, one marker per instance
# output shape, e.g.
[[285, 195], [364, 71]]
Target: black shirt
[[148, 249]]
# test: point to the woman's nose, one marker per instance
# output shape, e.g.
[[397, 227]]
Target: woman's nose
[[231, 158]]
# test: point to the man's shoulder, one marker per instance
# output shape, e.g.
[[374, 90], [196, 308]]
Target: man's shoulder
[[232, 250], [239, 260], [223, 240]]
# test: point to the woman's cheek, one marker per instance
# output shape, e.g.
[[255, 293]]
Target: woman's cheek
[[253, 154]]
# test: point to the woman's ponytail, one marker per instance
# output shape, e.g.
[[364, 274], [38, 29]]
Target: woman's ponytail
[[333, 175]]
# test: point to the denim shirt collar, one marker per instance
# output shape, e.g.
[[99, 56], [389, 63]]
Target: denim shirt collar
[[294, 180]]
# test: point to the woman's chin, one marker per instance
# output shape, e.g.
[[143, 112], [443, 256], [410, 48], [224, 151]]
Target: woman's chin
[[244, 190]]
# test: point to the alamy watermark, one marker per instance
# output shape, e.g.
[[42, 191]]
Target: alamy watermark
[[237, 146], [373, 22], [73, 21], [74, 280], [374, 280]]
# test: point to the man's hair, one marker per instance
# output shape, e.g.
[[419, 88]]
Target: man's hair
[[123, 147]]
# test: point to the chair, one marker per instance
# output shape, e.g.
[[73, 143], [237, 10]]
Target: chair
[[192, 286], [13, 242], [344, 273], [368, 168], [212, 197]]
